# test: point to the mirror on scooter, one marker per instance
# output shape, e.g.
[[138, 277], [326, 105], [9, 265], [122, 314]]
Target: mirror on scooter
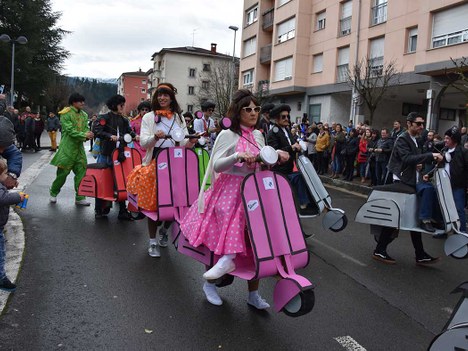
[[225, 123], [177, 135], [198, 114], [127, 138]]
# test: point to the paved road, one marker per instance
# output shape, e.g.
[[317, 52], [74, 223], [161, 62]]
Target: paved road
[[88, 284]]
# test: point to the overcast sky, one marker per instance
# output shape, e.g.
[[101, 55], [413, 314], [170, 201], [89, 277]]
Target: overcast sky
[[109, 37]]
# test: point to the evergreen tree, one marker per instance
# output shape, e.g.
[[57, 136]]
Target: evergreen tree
[[39, 61]]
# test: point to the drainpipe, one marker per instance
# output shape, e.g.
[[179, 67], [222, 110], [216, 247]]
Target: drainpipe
[[354, 94]]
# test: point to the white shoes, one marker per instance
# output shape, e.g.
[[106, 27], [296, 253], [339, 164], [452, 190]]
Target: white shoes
[[82, 203], [153, 250], [212, 294], [221, 268], [53, 199], [257, 301]]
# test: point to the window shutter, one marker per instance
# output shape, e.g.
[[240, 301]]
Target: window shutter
[[376, 48], [343, 56], [450, 21], [346, 9]]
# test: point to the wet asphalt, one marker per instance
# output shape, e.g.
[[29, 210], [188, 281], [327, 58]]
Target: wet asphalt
[[90, 284]]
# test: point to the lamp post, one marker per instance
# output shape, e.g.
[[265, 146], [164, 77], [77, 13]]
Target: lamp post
[[234, 28], [20, 40]]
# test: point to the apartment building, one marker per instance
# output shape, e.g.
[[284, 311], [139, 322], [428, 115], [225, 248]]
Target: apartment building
[[191, 70], [299, 51], [134, 87]]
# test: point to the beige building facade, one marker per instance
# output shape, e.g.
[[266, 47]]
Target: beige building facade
[[298, 52]]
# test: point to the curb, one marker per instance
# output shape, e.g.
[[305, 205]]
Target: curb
[[350, 186], [14, 229]]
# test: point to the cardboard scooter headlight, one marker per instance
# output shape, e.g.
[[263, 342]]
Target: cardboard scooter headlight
[[177, 135], [268, 155], [202, 141], [127, 138], [303, 145]]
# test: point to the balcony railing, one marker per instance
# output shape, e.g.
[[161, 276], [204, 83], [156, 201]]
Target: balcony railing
[[345, 26], [450, 39], [268, 19], [265, 54], [379, 14]]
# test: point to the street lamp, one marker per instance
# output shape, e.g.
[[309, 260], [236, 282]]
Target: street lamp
[[234, 28], [20, 40]]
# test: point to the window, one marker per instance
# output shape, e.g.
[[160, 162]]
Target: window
[[321, 20], [412, 39], [143, 81], [143, 91], [206, 67], [314, 112], [190, 108], [247, 78], [250, 46], [251, 16], [286, 30], [379, 12], [450, 26], [376, 56], [282, 2], [345, 19], [318, 63], [342, 65], [192, 72], [283, 69], [447, 114], [205, 85], [191, 90]]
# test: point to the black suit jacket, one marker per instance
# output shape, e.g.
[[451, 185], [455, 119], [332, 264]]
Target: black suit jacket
[[277, 139], [405, 157]]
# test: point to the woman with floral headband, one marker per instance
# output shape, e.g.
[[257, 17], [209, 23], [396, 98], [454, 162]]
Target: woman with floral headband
[[217, 220], [163, 119]]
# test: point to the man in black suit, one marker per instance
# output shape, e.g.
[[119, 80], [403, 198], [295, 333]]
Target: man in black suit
[[280, 138], [405, 164]]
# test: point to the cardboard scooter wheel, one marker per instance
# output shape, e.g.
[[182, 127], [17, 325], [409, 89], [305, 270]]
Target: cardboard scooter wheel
[[137, 215], [300, 304], [456, 246], [225, 123], [335, 220]]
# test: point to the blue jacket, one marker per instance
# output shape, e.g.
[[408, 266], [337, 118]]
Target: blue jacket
[[14, 159]]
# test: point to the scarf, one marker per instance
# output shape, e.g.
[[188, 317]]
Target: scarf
[[164, 113]]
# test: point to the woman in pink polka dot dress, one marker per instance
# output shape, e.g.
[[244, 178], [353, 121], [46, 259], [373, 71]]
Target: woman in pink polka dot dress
[[217, 220]]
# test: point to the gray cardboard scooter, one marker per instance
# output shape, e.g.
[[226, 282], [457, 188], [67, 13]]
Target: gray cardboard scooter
[[335, 219]]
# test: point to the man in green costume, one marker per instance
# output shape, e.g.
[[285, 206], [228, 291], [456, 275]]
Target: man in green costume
[[71, 155]]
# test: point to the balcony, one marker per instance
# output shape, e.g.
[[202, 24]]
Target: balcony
[[265, 54], [268, 18]]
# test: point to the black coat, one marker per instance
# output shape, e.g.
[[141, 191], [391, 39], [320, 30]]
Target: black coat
[[405, 157], [278, 140], [459, 168], [106, 126]]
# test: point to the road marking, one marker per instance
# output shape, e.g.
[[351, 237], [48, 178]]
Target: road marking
[[338, 252], [349, 343], [14, 232]]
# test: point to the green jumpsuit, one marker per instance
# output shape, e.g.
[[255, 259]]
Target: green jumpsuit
[[71, 155]]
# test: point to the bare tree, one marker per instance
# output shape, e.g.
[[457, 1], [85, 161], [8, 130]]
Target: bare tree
[[459, 75], [215, 84], [371, 81]]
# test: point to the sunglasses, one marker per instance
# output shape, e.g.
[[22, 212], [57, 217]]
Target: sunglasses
[[284, 116], [145, 109], [419, 124], [210, 110], [249, 109]]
